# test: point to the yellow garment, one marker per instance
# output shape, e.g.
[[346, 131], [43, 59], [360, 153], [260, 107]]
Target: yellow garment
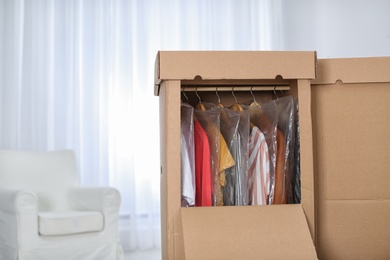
[[225, 162]]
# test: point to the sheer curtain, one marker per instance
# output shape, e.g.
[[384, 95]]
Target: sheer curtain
[[78, 74]]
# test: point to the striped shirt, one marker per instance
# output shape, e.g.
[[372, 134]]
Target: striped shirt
[[259, 168]]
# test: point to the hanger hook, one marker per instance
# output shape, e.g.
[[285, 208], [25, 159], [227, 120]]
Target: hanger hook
[[275, 92], [184, 93], [235, 98], [196, 92], [254, 98], [216, 93]]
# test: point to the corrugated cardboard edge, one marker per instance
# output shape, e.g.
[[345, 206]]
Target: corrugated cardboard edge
[[170, 134], [352, 70], [247, 232], [233, 65], [306, 150]]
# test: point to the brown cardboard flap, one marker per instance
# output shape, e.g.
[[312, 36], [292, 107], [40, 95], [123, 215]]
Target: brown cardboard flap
[[353, 70], [233, 65], [251, 232]]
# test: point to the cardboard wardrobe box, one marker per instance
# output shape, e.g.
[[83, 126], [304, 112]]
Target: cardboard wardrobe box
[[234, 232], [351, 121]]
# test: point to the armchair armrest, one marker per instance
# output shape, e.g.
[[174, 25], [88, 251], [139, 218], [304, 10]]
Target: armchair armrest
[[18, 215], [95, 198], [104, 199], [18, 201]]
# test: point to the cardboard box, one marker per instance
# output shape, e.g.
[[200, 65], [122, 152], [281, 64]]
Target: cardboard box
[[246, 232], [351, 112]]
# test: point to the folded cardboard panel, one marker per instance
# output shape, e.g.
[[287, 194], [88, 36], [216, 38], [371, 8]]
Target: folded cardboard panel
[[179, 226], [351, 112], [273, 232]]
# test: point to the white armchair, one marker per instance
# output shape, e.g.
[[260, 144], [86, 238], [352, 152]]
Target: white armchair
[[45, 214]]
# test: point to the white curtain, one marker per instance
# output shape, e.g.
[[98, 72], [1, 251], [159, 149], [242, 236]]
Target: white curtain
[[78, 74]]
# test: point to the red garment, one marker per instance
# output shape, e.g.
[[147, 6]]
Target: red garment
[[203, 195]]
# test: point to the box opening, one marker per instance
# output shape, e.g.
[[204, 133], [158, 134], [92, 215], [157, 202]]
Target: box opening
[[225, 94]]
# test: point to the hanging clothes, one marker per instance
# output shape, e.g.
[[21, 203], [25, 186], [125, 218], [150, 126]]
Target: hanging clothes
[[243, 156], [296, 175], [280, 179], [264, 117], [229, 127], [187, 155], [234, 126], [259, 168], [223, 159], [203, 195], [286, 110], [209, 119], [226, 161]]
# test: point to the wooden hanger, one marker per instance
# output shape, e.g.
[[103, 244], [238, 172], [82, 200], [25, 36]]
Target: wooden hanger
[[236, 107], [254, 104]]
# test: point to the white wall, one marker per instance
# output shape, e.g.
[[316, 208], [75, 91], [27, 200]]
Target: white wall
[[336, 28]]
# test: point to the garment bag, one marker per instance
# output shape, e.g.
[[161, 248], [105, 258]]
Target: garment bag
[[264, 118], [296, 176], [229, 126], [287, 110], [241, 151], [259, 185], [187, 154], [208, 120]]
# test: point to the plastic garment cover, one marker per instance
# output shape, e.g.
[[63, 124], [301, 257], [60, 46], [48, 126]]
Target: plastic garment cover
[[187, 154], [226, 161], [259, 168], [203, 194], [264, 116], [241, 154], [286, 111], [235, 129], [296, 174], [277, 120], [229, 127], [280, 178], [209, 120]]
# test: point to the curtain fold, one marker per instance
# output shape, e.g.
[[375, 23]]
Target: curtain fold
[[78, 74]]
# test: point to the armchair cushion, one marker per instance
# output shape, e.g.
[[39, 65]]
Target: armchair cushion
[[69, 222]]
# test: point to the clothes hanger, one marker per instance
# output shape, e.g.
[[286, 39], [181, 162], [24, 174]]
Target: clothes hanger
[[200, 105], [254, 103], [184, 93], [275, 92], [224, 115], [219, 99], [236, 107]]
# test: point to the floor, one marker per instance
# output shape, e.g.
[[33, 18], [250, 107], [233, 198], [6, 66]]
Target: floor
[[143, 255]]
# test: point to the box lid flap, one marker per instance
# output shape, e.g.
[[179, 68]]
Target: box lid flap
[[353, 70], [272, 232], [236, 65]]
